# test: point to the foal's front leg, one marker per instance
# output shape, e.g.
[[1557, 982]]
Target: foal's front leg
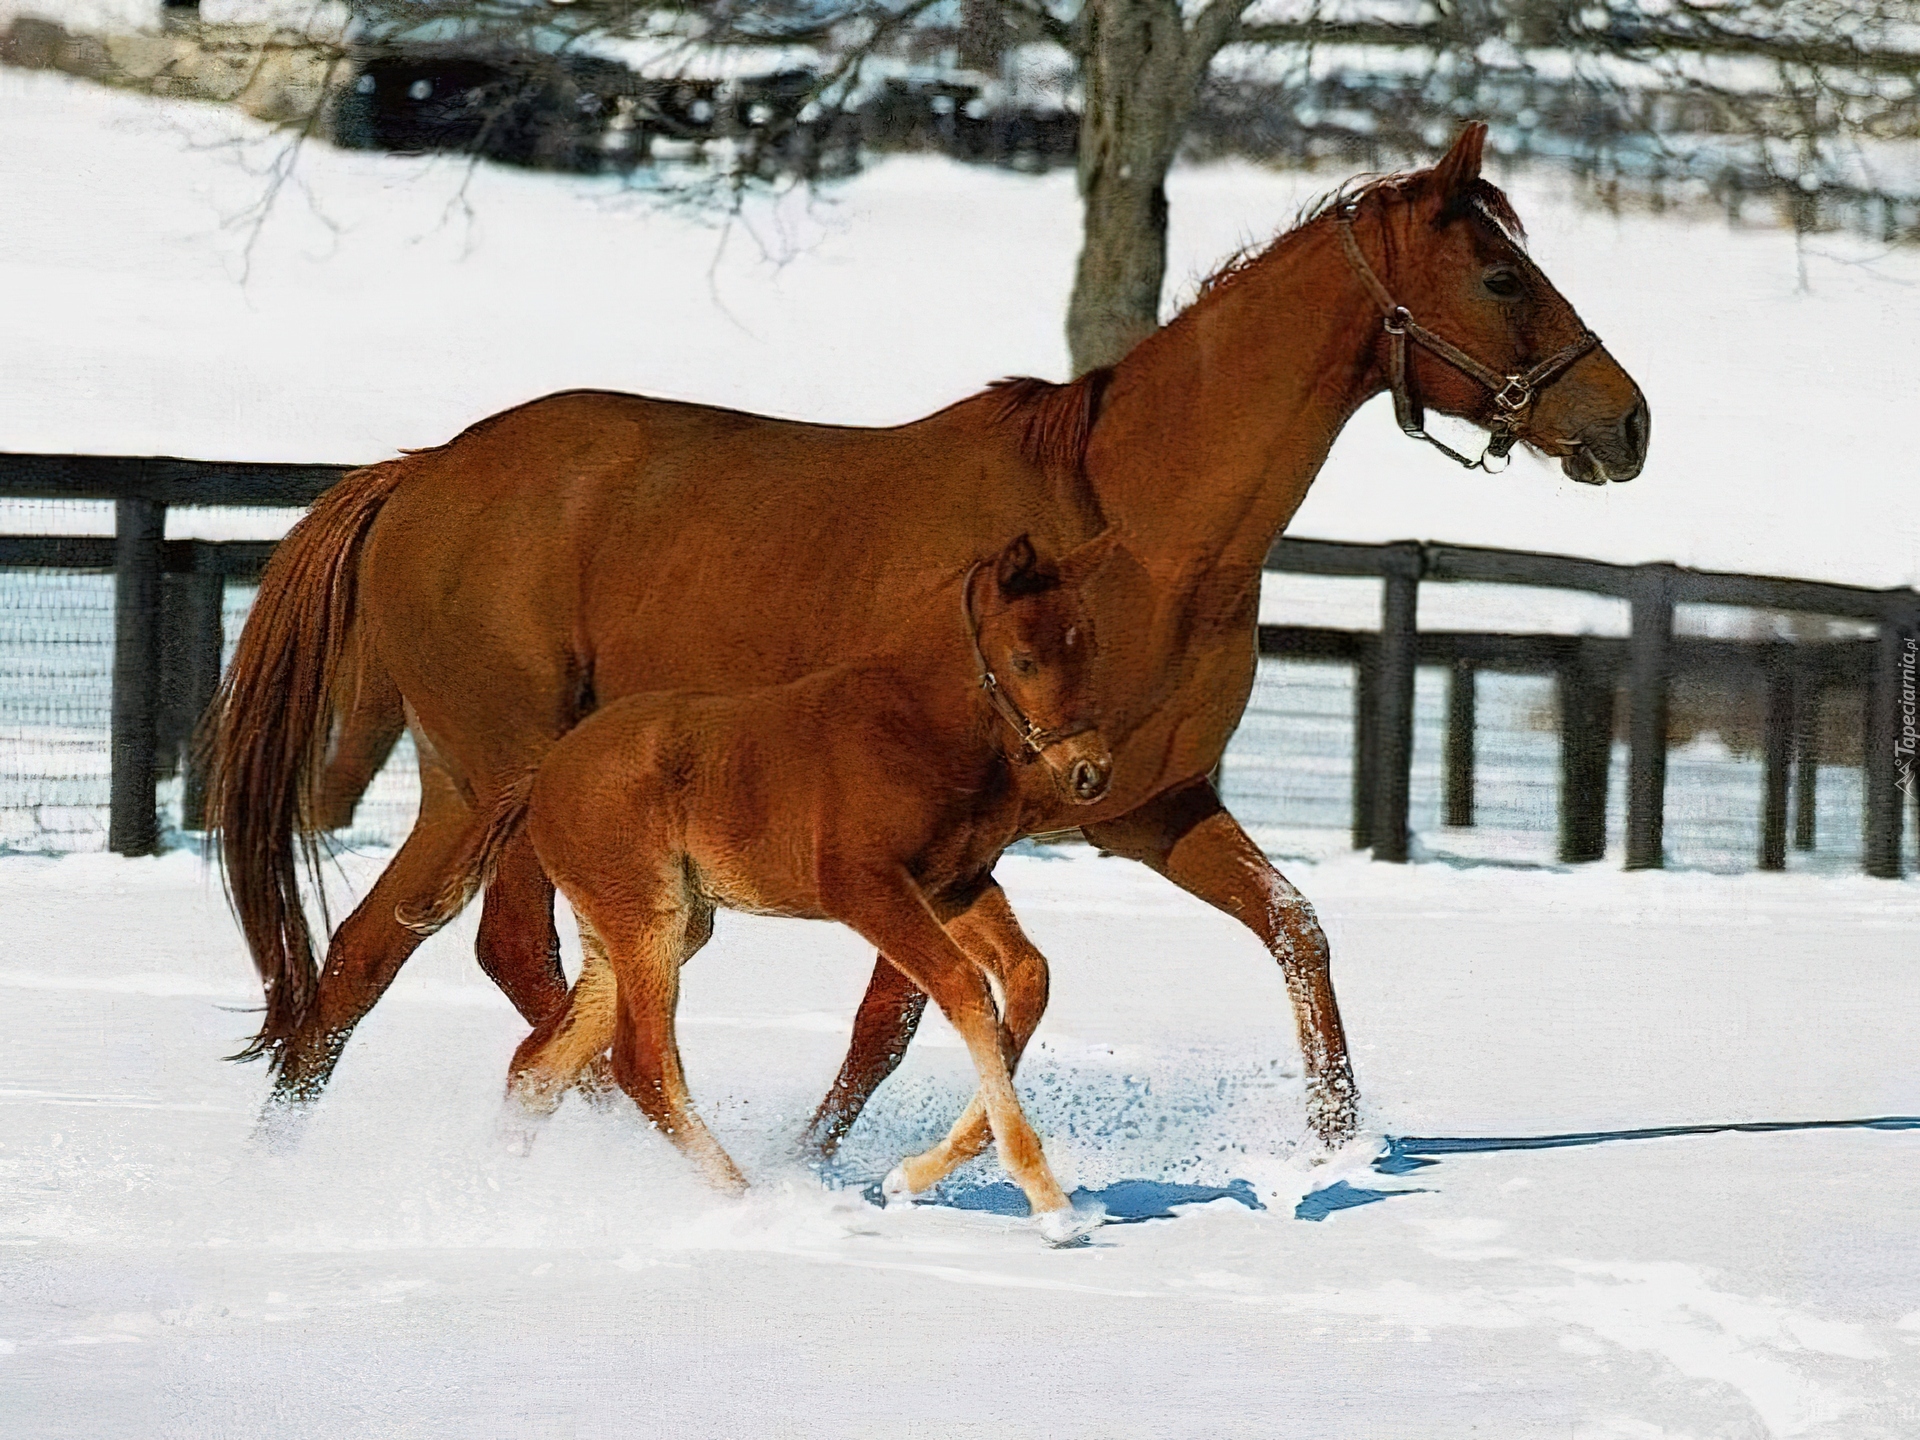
[[890, 910], [991, 935]]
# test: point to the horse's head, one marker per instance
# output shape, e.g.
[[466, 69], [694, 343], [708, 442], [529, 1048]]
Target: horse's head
[[1440, 252], [1035, 646]]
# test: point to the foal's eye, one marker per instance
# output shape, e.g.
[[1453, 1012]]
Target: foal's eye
[[1503, 283], [1022, 664]]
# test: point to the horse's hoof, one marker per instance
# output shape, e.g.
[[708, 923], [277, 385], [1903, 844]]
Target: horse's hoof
[[1068, 1226], [894, 1189]]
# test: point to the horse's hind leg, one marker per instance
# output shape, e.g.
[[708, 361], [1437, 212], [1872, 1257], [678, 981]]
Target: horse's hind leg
[[370, 946], [364, 736], [991, 935], [565, 1048], [518, 946]]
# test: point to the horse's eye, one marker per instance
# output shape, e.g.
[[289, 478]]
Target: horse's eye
[[1022, 664], [1503, 283]]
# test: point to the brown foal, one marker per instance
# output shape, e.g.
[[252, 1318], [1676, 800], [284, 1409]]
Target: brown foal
[[877, 793]]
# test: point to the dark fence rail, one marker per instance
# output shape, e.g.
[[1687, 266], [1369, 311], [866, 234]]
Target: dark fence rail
[[168, 612]]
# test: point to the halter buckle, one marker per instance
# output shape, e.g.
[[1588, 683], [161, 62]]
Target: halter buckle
[[1515, 395], [1397, 320]]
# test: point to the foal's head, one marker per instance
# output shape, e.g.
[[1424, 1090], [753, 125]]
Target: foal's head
[[1036, 646]]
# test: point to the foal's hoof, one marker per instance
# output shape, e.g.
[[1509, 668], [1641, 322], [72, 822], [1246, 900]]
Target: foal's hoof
[[894, 1189], [1068, 1226]]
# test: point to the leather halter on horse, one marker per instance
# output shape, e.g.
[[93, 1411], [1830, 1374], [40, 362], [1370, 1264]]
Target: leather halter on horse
[[1512, 394], [1035, 740]]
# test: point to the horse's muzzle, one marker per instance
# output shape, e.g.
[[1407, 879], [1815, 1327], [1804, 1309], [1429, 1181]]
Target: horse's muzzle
[[1611, 450]]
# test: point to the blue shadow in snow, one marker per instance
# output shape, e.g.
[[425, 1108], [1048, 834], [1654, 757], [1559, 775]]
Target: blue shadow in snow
[[1130, 1202], [1127, 1202], [1318, 1204], [1409, 1153]]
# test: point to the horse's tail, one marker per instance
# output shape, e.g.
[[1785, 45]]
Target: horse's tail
[[267, 736], [477, 862]]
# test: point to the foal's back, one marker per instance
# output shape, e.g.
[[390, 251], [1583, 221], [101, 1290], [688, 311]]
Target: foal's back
[[740, 801]]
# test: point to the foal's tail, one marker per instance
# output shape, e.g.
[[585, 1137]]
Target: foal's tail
[[267, 732], [475, 866]]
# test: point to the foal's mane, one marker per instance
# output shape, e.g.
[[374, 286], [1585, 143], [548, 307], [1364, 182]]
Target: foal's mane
[[1482, 198]]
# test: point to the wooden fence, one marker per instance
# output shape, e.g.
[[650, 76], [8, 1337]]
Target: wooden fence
[[167, 648]]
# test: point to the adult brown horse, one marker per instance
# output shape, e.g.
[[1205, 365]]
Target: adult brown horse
[[592, 545]]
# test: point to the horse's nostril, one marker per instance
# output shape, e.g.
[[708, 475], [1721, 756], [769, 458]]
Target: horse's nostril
[[1639, 430]]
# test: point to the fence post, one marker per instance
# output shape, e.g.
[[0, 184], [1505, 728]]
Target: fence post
[[1778, 748], [140, 528], [200, 678], [1393, 732], [1806, 753], [1366, 666], [1649, 671], [1890, 691], [1586, 754], [1460, 733]]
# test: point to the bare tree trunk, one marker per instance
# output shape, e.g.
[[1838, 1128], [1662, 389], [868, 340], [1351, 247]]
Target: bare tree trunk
[[1142, 70]]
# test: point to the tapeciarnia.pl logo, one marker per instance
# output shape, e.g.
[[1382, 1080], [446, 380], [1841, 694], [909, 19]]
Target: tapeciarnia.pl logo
[[1909, 738]]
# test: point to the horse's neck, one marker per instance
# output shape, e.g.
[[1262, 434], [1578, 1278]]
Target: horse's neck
[[1212, 429]]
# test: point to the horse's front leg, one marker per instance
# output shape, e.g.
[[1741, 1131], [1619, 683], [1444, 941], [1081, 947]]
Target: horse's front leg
[[889, 1015], [1188, 836]]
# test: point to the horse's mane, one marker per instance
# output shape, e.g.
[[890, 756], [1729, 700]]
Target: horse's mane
[[1483, 198], [1055, 421]]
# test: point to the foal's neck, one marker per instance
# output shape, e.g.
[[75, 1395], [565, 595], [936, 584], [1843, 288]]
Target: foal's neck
[[940, 683], [1212, 429]]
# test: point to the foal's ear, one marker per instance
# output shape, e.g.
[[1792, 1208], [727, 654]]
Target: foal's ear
[[1020, 572], [1459, 168]]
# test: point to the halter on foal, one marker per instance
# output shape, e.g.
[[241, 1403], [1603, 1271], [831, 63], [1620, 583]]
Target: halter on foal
[[878, 793]]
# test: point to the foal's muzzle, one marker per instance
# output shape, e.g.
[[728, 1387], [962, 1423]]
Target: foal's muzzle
[[1082, 768]]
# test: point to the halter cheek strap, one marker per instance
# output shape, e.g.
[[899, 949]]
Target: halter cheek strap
[[1034, 740], [1513, 394]]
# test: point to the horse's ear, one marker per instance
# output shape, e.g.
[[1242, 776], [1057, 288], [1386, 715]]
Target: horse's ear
[[1019, 571], [1459, 169]]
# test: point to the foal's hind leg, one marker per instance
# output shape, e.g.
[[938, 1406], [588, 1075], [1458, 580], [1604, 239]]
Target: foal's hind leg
[[563, 1048], [646, 957], [993, 939]]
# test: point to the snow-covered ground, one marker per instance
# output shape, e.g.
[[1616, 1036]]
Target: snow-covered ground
[[401, 1275]]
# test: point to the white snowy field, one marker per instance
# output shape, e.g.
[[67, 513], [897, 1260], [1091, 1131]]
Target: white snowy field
[[400, 1275]]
